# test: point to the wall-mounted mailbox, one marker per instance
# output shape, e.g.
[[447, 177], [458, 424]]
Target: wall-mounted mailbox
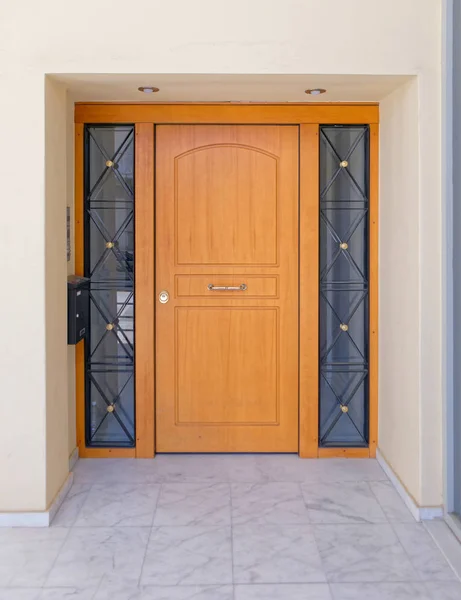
[[77, 308]]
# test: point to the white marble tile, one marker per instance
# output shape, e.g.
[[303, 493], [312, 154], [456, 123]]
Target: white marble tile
[[268, 503], [20, 593], [347, 469], [68, 593], [207, 468], [345, 502], [392, 504], [426, 558], [27, 554], [444, 590], [188, 555], [193, 504], [284, 467], [90, 553], [275, 554], [117, 470], [191, 592], [119, 504], [289, 467], [210, 468], [379, 591], [68, 512], [287, 591], [362, 553]]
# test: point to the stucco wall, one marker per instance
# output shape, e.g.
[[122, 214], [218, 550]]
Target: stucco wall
[[149, 36]]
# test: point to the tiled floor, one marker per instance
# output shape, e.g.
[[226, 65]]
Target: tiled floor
[[233, 527]]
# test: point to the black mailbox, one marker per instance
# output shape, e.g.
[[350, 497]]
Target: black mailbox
[[77, 308]]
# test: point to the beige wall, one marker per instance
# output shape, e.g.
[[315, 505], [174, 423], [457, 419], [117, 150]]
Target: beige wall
[[57, 460], [399, 368], [410, 410], [359, 37]]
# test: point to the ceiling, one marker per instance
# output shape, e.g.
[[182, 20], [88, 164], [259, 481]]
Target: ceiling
[[228, 88]]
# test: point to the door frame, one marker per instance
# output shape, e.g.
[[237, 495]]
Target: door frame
[[309, 117]]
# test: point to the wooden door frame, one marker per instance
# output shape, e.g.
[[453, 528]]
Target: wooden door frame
[[308, 116]]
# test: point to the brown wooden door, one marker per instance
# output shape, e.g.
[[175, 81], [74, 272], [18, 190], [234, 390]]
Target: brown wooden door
[[227, 360]]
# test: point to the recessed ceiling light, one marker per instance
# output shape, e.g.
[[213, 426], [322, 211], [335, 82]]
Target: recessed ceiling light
[[148, 90], [315, 91]]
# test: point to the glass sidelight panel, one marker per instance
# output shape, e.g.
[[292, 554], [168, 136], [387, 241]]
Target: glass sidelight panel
[[344, 276], [109, 264]]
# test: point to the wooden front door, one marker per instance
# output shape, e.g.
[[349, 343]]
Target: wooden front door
[[227, 257]]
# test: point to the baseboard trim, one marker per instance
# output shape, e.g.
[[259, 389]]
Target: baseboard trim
[[73, 458], [420, 513], [39, 518]]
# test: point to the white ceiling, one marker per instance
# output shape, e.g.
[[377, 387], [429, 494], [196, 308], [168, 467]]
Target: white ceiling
[[229, 88]]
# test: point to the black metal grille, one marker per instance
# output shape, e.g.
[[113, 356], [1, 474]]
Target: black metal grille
[[344, 275], [109, 264]]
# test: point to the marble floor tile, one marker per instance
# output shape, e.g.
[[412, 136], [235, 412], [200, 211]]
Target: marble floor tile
[[90, 553], [362, 553], [212, 468], [284, 467], [68, 593], [268, 503], [275, 554], [289, 467], [347, 469], [392, 504], [188, 555], [119, 504], [20, 593], [106, 470], [379, 591], [345, 502], [27, 554], [444, 590], [68, 512], [287, 591], [196, 468], [190, 592], [426, 558], [193, 504]]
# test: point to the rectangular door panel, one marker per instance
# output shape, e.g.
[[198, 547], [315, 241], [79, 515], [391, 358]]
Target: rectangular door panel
[[227, 254], [244, 388]]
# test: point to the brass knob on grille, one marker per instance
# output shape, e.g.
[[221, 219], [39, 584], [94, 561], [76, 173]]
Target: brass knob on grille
[[110, 408], [342, 245], [109, 326], [343, 164], [109, 244], [109, 163], [344, 327], [345, 409]]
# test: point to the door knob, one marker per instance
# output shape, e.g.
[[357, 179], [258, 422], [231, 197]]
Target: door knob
[[163, 297]]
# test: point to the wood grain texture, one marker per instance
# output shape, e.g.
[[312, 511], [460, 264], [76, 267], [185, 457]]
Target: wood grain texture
[[344, 453], [79, 270], [144, 290], [227, 366], [373, 290], [309, 292], [107, 453], [228, 113]]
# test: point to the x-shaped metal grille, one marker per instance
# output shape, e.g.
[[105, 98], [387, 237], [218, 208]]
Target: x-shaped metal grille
[[109, 264], [344, 286]]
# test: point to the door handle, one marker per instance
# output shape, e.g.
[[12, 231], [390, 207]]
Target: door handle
[[227, 288]]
